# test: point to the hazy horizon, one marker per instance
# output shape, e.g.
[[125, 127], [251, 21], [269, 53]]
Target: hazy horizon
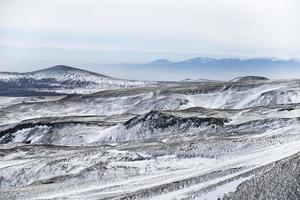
[[38, 34], [195, 68]]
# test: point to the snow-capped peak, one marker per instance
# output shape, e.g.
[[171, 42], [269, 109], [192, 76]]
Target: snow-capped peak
[[67, 79]]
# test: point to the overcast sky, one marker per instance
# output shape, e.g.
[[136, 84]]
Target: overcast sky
[[142, 30]]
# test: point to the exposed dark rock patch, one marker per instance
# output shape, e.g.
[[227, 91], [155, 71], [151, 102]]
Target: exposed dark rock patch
[[159, 120]]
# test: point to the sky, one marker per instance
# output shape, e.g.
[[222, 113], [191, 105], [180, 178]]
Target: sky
[[41, 33]]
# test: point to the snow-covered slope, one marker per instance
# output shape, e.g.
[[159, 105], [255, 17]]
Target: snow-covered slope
[[184, 140], [228, 95], [249, 78], [64, 79]]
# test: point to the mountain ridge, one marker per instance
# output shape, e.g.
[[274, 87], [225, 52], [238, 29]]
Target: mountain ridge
[[63, 79], [56, 68], [206, 60]]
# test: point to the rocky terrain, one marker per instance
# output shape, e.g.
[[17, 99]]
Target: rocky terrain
[[94, 137]]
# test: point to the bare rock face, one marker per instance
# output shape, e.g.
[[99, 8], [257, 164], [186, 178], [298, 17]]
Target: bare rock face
[[158, 120]]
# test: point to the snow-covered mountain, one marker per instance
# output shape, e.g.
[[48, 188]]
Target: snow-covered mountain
[[63, 79], [228, 61], [199, 80], [161, 62], [212, 68], [231, 140], [249, 78]]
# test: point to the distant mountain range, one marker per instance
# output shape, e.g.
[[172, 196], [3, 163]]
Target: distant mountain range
[[211, 68], [226, 61], [229, 64]]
